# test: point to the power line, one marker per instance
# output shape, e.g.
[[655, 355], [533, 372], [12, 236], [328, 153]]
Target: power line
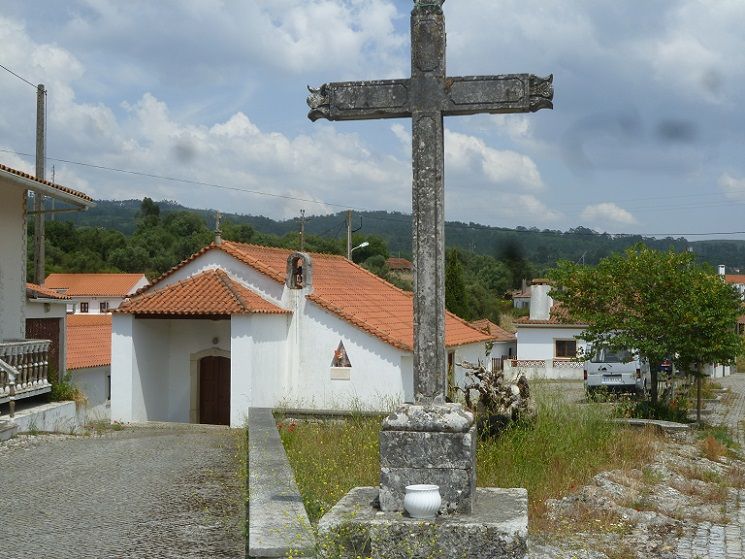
[[17, 76], [186, 181], [450, 225]]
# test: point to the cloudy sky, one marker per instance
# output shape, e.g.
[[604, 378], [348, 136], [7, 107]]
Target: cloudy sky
[[647, 134]]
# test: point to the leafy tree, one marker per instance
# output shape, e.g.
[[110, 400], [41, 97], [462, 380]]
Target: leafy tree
[[662, 304], [455, 287]]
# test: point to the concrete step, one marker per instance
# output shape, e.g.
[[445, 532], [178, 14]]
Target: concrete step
[[7, 430]]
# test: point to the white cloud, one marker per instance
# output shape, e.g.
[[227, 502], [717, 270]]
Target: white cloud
[[468, 154], [733, 188], [607, 211]]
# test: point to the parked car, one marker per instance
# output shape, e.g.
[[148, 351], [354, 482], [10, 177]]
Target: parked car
[[616, 370]]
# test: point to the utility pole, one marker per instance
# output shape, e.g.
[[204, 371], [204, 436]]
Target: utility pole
[[349, 234], [302, 230], [54, 180], [41, 136]]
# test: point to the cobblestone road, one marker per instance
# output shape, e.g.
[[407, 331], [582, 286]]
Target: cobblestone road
[[725, 540], [137, 493]]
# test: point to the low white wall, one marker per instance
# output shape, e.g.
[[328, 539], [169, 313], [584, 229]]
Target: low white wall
[[60, 417], [718, 371], [546, 369], [93, 382]]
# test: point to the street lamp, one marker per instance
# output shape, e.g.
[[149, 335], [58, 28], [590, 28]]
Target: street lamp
[[361, 245]]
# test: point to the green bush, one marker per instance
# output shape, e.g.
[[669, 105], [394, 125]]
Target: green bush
[[64, 390]]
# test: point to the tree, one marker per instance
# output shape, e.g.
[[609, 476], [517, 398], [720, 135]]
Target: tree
[[455, 287], [661, 304]]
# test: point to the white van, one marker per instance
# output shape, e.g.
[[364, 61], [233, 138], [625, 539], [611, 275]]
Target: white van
[[617, 370]]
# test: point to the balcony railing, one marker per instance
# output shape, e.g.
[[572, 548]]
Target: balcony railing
[[24, 370]]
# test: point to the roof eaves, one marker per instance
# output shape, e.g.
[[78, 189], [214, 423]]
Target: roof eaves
[[48, 188]]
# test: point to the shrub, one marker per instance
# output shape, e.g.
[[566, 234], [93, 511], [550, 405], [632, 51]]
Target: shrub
[[63, 390]]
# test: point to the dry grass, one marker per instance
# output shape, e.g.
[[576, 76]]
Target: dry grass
[[712, 449], [330, 458], [561, 451], [566, 447]]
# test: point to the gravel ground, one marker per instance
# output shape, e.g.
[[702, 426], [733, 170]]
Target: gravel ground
[[155, 492], [682, 506]]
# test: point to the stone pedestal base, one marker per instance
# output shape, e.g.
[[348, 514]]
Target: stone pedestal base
[[496, 529], [432, 445]]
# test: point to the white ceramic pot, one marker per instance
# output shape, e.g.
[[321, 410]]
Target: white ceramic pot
[[422, 501]]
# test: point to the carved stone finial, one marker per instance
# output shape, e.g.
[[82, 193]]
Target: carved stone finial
[[431, 6], [319, 102], [541, 92]]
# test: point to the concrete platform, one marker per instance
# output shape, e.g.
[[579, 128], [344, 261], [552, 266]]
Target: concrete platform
[[7, 430], [669, 426], [497, 528]]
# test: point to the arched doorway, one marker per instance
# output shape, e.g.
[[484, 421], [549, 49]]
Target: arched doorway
[[214, 390]]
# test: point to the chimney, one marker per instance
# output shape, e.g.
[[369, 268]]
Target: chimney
[[540, 302], [218, 231], [721, 270]]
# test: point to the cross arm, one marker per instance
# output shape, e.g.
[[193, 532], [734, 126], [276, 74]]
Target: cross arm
[[511, 93], [359, 100]]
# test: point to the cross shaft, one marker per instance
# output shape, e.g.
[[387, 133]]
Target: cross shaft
[[426, 97]]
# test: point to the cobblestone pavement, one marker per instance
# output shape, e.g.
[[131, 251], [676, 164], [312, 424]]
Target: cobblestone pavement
[[149, 492], [725, 540], [730, 410]]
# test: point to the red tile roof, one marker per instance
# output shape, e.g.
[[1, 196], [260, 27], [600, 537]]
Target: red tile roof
[[34, 291], [210, 293], [46, 182], [88, 341], [499, 333], [395, 263], [558, 315], [735, 278], [349, 291], [93, 285]]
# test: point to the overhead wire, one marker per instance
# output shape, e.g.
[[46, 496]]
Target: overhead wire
[[450, 225], [18, 76]]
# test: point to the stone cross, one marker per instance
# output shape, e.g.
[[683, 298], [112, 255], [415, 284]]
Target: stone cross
[[427, 97]]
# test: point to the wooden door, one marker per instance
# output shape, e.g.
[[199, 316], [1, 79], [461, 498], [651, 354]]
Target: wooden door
[[214, 390]]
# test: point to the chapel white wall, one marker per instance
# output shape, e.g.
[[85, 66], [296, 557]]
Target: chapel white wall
[[259, 363], [376, 380], [186, 338], [213, 259]]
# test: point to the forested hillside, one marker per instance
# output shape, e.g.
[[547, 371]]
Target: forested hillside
[[483, 263], [542, 248]]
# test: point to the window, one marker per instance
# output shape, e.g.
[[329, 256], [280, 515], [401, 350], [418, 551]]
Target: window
[[103, 306], [565, 348], [83, 307]]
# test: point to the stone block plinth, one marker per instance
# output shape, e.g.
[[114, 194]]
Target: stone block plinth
[[497, 528], [432, 445]]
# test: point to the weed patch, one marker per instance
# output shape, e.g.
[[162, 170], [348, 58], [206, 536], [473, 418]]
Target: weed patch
[[561, 450]]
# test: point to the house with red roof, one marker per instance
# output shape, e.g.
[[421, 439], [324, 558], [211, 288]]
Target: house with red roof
[[548, 340], [24, 359], [88, 361], [737, 281], [239, 325], [95, 293]]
